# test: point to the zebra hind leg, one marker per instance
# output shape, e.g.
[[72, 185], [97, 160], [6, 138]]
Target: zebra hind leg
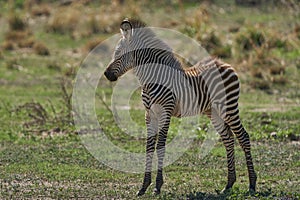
[[228, 141], [244, 140]]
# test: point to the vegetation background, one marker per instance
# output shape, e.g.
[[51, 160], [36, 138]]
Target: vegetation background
[[43, 43]]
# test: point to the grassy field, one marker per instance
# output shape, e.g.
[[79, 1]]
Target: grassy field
[[42, 46]]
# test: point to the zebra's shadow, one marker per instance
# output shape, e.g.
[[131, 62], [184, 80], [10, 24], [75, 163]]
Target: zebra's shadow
[[195, 196], [202, 195], [237, 195]]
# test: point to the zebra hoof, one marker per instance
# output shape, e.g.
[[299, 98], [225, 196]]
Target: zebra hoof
[[252, 190], [156, 191], [226, 190], [252, 187], [141, 192]]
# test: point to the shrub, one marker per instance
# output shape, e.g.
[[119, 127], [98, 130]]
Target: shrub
[[54, 66], [27, 43], [234, 29], [8, 45], [70, 71], [16, 35], [248, 2], [19, 3], [223, 51], [103, 22], [280, 80], [16, 23], [271, 64], [94, 24], [41, 49], [265, 69], [12, 64], [250, 38], [276, 40], [64, 21], [196, 23], [41, 10], [277, 69], [261, 84], [210, 41], [297, 31], [297, 63]]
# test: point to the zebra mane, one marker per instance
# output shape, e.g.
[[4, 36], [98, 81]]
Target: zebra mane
[[145, 38], [136, 23]]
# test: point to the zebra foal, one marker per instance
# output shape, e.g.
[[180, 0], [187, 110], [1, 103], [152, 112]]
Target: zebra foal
[[210, 87]]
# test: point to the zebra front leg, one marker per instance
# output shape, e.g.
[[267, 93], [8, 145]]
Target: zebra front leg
[[160, 148], [152, 127], [148, 168], [164, 123]]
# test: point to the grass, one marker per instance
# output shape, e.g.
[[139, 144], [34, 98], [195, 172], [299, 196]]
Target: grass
[[62, 166], [41, 153]]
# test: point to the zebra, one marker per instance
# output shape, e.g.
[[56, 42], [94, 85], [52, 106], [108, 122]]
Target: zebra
[[210, 87]]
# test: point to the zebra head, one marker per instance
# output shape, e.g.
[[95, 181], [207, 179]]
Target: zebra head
[[123, 55]]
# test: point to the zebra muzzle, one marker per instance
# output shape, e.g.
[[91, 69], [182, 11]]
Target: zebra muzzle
[[110, 76]]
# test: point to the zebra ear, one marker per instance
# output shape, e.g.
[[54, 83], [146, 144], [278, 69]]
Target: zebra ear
[[126, 29]]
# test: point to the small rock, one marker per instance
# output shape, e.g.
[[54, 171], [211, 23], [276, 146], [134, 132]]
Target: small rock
[[273, 134]]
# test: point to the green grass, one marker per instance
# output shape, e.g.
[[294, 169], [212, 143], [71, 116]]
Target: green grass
[[62, 165], [47, 159]]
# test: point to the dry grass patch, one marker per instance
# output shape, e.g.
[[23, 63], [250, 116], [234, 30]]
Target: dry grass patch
[[90, 45], [259, 49], [65, 20], [297, 31], [54, 65], [16, 22], [40, 10], [199, 26], [196, 23], [18, 29], [27, 42], [8, 45], [13, 64], [16, 36], [41, 49], [78, 22], [265, 69], [253, 37], [19, 35], [249, 38]]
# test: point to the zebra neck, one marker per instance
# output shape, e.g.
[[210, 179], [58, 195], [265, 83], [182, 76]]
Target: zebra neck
[[156, 65], [153, 57]]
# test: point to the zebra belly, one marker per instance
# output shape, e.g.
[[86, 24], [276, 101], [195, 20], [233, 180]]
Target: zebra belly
[[188, 110]]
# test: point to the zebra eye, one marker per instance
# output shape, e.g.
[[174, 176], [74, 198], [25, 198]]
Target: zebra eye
[[117, 54], [118, 49]]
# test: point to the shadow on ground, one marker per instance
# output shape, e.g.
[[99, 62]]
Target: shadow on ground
[[234, 194]]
